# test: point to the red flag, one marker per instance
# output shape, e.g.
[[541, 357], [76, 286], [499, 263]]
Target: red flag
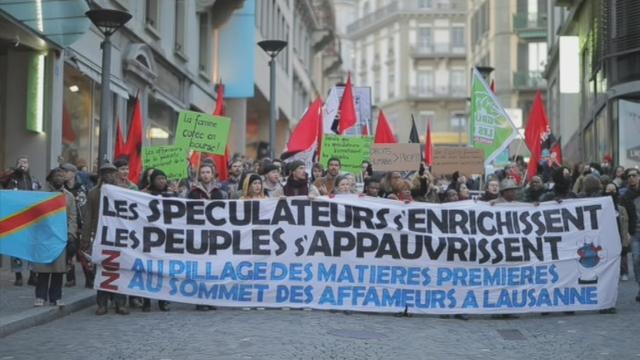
[[536, 133], [320, 129], [121, 147], [221, 161], [428, 147], [348, 118], [305, 135], [384, 134], [219, 110], [134, 143], [493, 87]]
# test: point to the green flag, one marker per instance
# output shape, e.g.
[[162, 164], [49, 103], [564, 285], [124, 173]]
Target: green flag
[[491, 128]]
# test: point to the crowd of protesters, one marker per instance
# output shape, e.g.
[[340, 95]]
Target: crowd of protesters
[[276, 179]]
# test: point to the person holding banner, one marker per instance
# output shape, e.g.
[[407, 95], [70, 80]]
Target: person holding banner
[[271, 180], [108, 175], [297, 182], [342, 185], [122, 165], [252, 188], [423, 189], [561, 186], [371, 187], [158, 186], [19, 178], [325, 184], [491, 190], [233, 186], [206, 187], [317, 171], [401, 191], [49, 284]]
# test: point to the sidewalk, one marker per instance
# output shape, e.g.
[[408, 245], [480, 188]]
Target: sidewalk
[[16, 302]]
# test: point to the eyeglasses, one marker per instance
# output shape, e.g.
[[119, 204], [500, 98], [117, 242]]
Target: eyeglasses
[[633, 175]]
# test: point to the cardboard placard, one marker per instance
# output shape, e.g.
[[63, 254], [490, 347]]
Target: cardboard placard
[[395, 157], [351, 151], [448, 159], [202, 132], [171, 159]]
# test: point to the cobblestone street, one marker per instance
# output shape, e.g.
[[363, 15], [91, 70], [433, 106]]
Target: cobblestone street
[[184, 333]]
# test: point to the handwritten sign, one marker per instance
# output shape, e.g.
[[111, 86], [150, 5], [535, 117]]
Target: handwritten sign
[[395, 157], [170, 159], [448, 159], [351, 151], [202, 132]]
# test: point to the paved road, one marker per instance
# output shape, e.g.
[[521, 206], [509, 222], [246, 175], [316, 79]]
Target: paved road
[[184, 333]]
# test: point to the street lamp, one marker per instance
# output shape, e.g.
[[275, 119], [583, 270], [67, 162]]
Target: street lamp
[[272, 48], [485, 71], [108, 22]]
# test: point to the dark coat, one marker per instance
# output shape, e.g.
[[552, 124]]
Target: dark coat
[[628, 202], [198, 191]]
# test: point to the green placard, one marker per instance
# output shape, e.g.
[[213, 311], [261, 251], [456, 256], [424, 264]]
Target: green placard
[[171, 159], [491, 128], [351, 150], [202, 132]]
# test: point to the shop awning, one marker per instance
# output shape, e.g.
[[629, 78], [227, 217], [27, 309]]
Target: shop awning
[[60, 22]]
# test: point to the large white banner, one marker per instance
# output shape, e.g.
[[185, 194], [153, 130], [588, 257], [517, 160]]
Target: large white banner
[[363, 254]]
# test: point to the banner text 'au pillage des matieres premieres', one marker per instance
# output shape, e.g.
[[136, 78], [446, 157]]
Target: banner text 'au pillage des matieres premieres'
[[363, 254]]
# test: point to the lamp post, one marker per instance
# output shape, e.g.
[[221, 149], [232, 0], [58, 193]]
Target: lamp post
[[272, 48], [108, 22], [485, 71]]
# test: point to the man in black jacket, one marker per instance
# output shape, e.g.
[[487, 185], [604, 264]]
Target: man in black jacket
[[631, 201]]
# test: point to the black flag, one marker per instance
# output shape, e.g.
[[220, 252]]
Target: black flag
[[413, 135]]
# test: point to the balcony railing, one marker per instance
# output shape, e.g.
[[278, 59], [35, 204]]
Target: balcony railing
[[530, 23], [404, 7], [442, 49], [529, 80], [424, 92]]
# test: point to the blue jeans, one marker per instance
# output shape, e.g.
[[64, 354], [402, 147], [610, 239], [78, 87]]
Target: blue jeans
[[635, 255]]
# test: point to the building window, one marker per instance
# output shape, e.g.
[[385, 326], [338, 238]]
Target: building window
[[425, 38], [457, 37], [458, 122], [377, 88], [151, 14], [458, 83], [424, 118], [425, 4], [391, 86], [180, 26], [204, 44], [425, 83], [161, 123], [537, 56]]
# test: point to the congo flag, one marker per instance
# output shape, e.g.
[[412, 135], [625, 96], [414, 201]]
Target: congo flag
[[33, 225]]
